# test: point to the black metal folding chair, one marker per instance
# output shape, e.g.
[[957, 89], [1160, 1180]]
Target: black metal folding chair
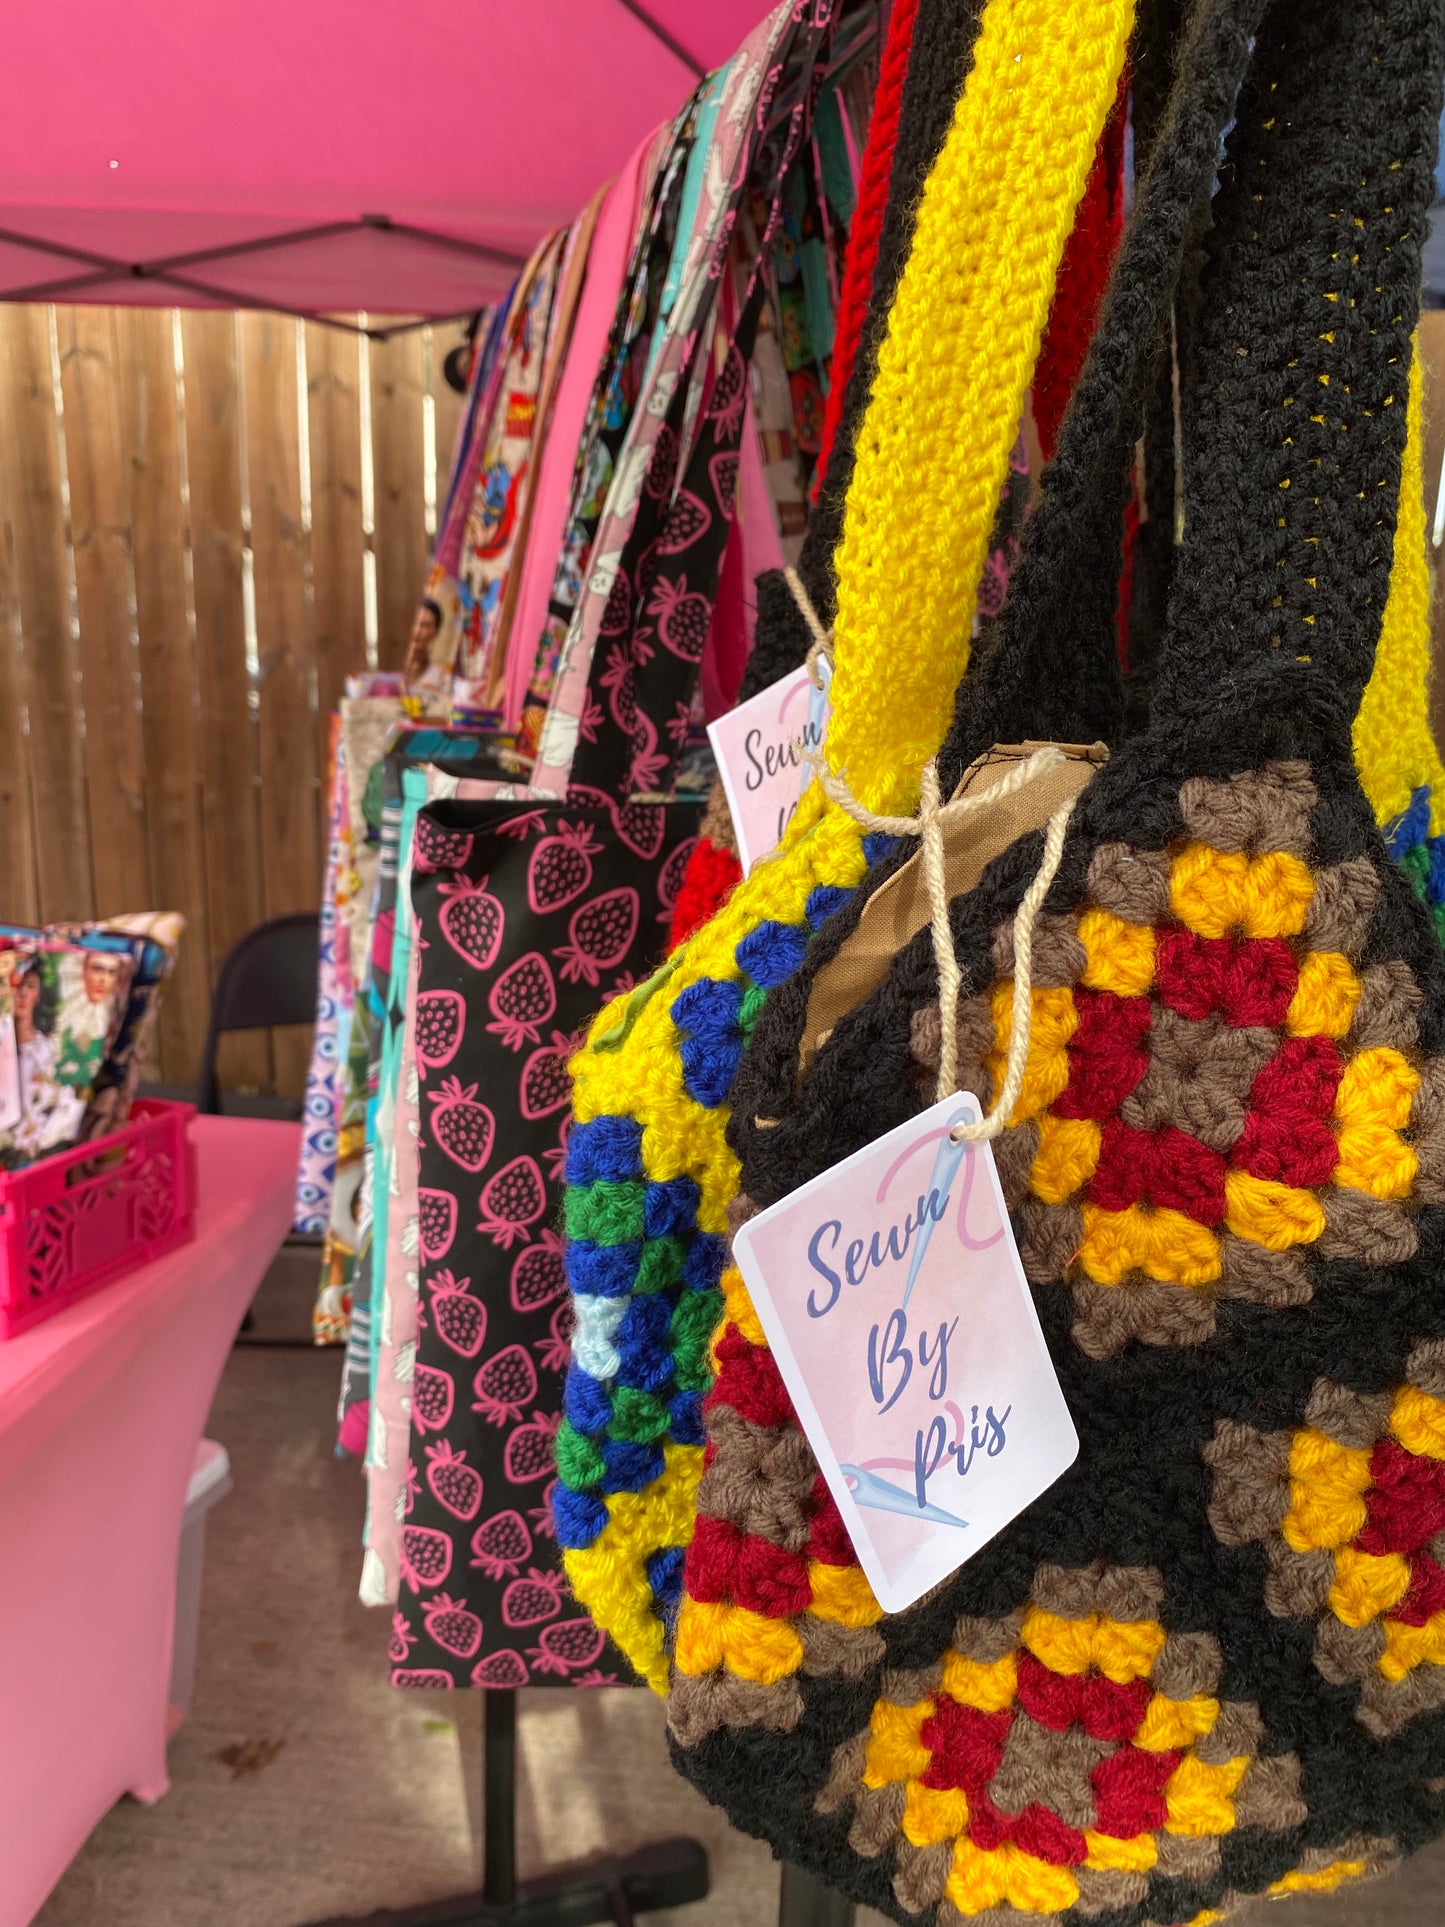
[[268, 978]]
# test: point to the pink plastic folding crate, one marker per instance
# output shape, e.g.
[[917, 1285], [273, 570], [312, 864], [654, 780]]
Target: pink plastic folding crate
[[82, 1218]]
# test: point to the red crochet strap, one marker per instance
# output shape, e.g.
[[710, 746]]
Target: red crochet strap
[[711, 876], [861, 256], [1083, 277]]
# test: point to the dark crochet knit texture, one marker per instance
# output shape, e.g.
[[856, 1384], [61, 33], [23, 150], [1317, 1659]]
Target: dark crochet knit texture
[[1296, 380], [1155, 55]]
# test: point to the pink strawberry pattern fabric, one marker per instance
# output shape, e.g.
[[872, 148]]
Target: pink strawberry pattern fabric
[[644, 471], [528, 916], [659, 609]]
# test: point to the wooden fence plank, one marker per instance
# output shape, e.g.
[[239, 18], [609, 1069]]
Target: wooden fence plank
[[19, 885], [90, 380], [54, 698], [168, 673], [173, 770], [397, 441], [333, 401], [230, 811], [290, 784]]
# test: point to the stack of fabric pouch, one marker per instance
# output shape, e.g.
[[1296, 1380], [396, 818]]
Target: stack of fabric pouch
[[67, 1029], [651, 1086], [1210, 1661]]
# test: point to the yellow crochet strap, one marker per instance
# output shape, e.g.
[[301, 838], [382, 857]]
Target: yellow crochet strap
[[963, 336], [1395, 751]]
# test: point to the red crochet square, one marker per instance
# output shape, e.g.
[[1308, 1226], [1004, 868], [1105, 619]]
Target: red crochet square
[[1107, 1053], [1166, 1168], [1406, 1508], [966, 1745], [1248, 980], [1129, 1792]]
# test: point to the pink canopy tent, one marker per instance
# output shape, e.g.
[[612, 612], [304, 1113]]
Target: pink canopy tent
[[324, 156]]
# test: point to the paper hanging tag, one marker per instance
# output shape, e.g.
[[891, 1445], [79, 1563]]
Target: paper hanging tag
[[893, 1299], [760, 748]]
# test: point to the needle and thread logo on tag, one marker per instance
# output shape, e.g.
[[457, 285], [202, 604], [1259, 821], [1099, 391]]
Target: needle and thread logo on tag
[[762, 748], [893, 1299]]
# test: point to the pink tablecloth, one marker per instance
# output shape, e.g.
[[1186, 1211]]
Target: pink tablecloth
[[101, 1410]]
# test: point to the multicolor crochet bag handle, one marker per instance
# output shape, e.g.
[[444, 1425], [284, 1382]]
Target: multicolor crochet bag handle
[[650, 1175], [1054, 673], [660, 608], [927, 45], [1395, 750], [1204, 1665]]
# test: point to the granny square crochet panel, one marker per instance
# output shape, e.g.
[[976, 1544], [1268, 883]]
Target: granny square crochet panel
[[1063, 1755], [1229, 1143], [1350, 1508], [1216, 1081]]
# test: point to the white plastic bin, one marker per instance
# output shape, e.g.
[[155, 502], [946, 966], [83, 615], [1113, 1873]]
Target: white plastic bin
[[210, 1482]]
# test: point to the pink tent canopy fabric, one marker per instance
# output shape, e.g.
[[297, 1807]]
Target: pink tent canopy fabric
[[324, 155]]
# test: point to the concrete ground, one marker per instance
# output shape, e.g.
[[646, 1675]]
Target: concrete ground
[[303, 1786]]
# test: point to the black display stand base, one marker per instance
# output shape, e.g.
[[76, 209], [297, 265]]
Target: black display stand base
[[668, 1873], [804, 1901]]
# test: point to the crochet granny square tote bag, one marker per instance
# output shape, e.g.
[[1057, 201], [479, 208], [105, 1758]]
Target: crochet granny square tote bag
[[651, 1085], [1210, 1661]]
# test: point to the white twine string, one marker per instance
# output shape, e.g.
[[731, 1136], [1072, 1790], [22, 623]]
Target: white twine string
[[929, 826], [821, 653]]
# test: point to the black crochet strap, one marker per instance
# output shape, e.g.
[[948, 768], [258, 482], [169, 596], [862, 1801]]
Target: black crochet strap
[[1297, 398], [1054, 671], [1151, 561]]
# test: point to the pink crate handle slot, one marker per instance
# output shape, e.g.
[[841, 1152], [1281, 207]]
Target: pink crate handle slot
[[84, 1217]]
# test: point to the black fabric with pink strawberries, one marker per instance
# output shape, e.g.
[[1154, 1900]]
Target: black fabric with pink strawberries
[[528, 919]]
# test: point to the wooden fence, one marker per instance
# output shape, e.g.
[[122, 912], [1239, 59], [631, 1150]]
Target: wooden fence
[[207, 521]]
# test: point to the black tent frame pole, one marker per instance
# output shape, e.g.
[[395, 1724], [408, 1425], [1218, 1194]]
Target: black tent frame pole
[[499, 1797], [664, 38]]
